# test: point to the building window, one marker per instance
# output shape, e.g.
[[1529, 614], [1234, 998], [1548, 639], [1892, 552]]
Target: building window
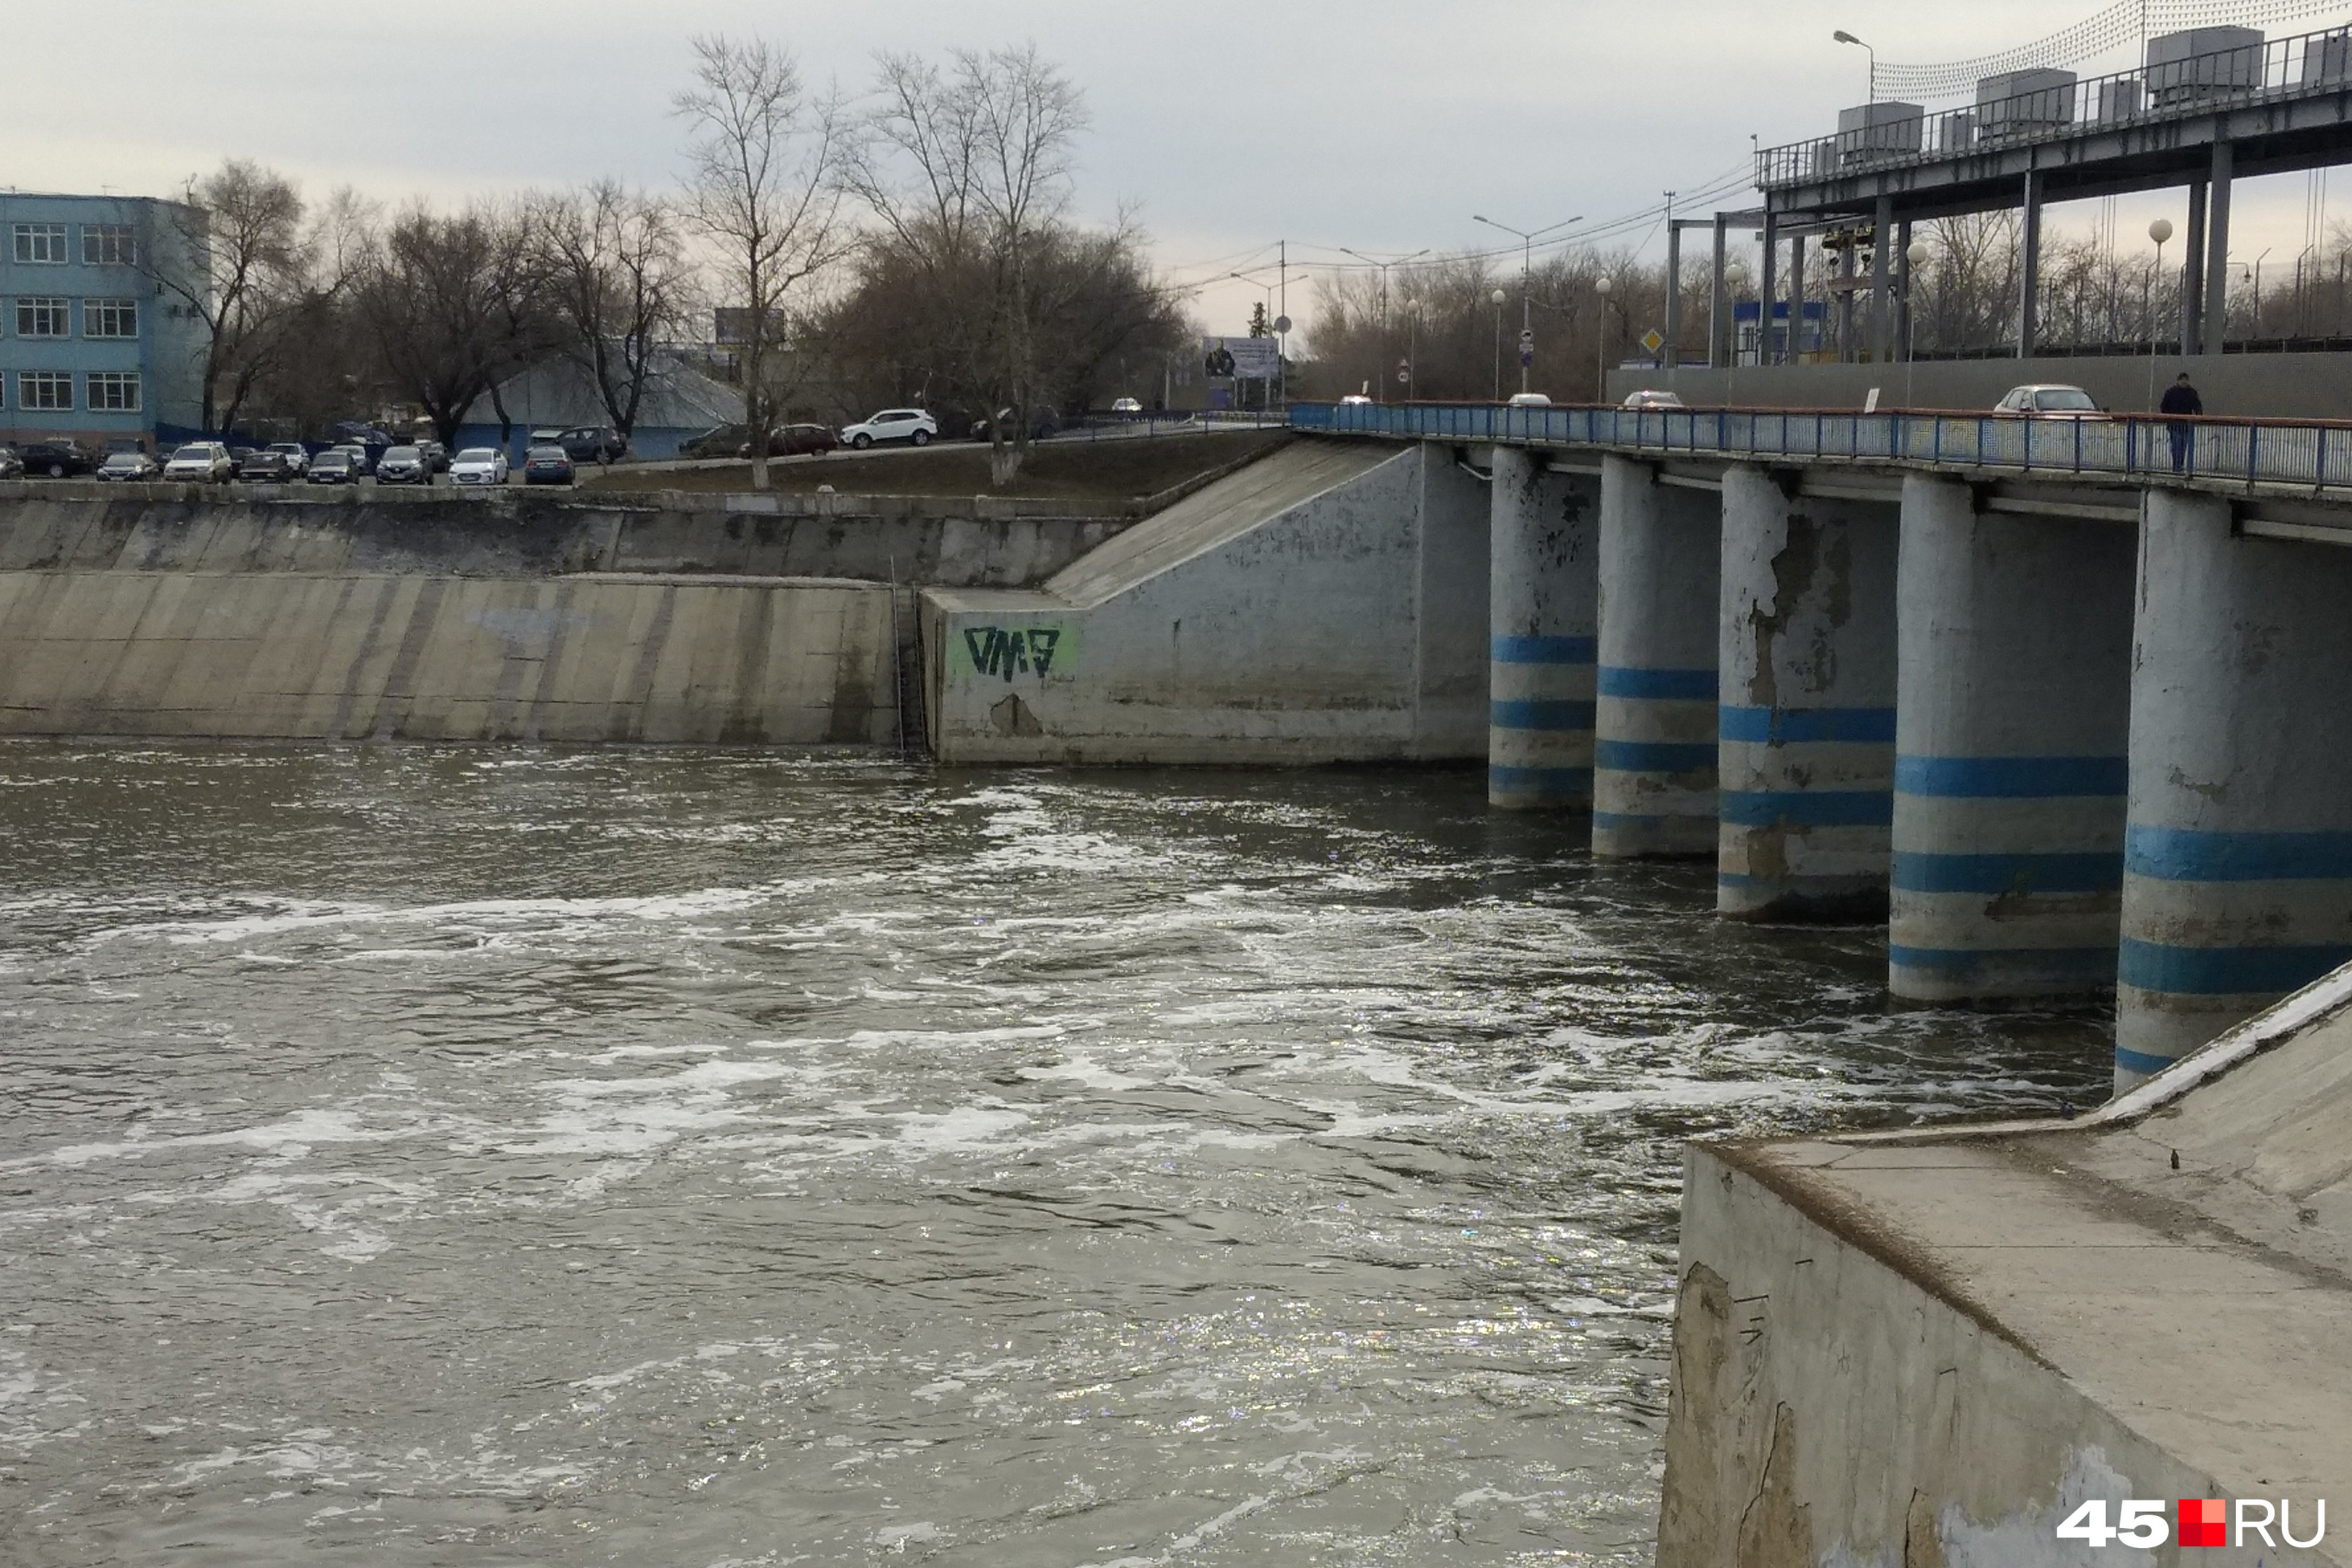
[[41, 242], [114, 391], [109, 244], [42, 319], [109, 318], [44, 389]]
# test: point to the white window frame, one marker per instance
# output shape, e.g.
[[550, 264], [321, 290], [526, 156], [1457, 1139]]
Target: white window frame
[[122, 238], [30, 306], [28, 233], [113, 380], [57, 380], [93, 310]]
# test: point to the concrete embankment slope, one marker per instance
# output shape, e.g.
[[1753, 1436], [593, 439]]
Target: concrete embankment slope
[[1328, 603], [1935, 1348], [168, 611]]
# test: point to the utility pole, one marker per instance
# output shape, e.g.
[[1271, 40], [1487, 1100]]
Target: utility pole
[[1527, 253]]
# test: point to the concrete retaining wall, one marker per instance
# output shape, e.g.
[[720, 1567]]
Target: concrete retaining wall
[[1327, 604], [744, 661]]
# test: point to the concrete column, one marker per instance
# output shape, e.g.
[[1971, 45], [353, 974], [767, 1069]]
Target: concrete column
[[2238, 857], [2192, 282], [1770, 258], [2014, 692], [1655, 730], [1806, 753], [1719, 309], [2217, 250], [1903, 295], [1672, 354], [1796, 296], [1881, 315], [1544, 618], [2029, 271]]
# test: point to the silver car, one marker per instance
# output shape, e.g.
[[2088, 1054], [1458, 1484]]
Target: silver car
[[205, 461]]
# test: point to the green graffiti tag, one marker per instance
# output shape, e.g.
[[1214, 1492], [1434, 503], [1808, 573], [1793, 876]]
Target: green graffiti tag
[[1011, 651]]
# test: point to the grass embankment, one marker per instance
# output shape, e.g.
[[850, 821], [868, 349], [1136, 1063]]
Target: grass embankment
[[1114, 470]]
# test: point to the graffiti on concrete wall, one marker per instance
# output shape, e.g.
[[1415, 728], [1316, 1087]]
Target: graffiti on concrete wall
[[1009, 651]]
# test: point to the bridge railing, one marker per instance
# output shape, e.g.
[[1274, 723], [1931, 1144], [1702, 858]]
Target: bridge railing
[[2313, 454]]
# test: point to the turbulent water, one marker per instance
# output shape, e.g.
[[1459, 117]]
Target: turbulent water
[[483, 1157]]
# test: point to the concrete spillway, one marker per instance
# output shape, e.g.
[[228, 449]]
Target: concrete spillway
[[1328, 603], [1936, 1348]]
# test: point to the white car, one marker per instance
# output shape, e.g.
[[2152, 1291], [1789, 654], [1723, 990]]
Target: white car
[[1529, 400], [206, 461], [1651, 399], [891, 424], [296, 456], [2050, 401], [1126, 405], [479, 466]]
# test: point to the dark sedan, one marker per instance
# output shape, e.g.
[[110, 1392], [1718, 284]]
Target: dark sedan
[[403, 465], [335, 465], [721, 441], [547, 466], [265, 468], [58, 459], [793, 440]]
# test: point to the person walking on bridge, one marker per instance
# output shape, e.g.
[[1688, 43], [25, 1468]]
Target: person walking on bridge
[[2179, 399]]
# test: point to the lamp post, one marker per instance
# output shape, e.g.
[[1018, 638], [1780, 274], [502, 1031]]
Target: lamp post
[[1411, 348], [1914, 256], [1382, 268], [1498, 297], [1528, 239], [1600, 286], [1843, 36], [2160, 231], [2258, 293]]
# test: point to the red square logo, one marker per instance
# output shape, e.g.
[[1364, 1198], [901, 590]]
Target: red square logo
[[2204, 1521]]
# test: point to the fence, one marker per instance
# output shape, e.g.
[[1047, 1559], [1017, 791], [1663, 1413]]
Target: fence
[[2312, 454]]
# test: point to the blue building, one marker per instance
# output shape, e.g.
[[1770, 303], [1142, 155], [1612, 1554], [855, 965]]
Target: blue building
[[99, 338]]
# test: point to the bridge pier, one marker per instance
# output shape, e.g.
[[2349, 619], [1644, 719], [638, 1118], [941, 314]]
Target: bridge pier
[[2238, 856], [2014, 679], [1806, 753], [1654, 730], [1544, 620]]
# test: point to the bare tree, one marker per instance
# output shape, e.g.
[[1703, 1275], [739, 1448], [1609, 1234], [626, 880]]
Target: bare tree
[[240, 266], [970, 168], [613, 278], [761, 191], [450, 302]]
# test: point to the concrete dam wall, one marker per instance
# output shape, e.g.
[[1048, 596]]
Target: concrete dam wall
[[161, 611]]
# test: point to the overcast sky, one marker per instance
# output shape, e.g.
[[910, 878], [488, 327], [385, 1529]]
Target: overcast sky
[[1378, 125]]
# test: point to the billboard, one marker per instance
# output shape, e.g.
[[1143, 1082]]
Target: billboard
[[1241, 359]]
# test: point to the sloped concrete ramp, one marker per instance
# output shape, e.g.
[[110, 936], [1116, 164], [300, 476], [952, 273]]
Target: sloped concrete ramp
[[1936, 1348], [1326, 604]]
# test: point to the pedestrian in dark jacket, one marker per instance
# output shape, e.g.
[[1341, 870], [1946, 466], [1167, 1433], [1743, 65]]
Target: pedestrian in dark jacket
[[2181, 398]]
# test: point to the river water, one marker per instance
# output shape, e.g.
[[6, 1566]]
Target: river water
[[487, 1157]]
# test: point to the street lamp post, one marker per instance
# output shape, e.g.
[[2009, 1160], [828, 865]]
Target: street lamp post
[[1600, 286], [1528, 239], [1498, 297], [1382, 268], [1843, 36], [1411, 348], [1914, 256], [2160, 231]]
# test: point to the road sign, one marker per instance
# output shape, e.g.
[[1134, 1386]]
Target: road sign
[[1527, 358], [1404, 372], [1527, 338], [1651, 341]]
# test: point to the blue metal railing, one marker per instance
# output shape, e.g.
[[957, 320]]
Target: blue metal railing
[[2310, 454]]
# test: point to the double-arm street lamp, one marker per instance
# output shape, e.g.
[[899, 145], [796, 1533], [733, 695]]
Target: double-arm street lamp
[[1382, 268], [1528, 239]]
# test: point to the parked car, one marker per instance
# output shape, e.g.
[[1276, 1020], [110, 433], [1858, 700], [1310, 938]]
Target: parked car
[[333, 467], [268, 465], [296, 456], [793, 440], [547, 466], [60, 458], [403, 466], [1042, 422], [592, 444], [1651, 398], [1356, 397], [362, 457], [437, 455], [1129, 406], [203, 462], [479, 466], [719, 441], [911, 424], [12, 467], [1529, 400], [131, 464], [2050, 401]]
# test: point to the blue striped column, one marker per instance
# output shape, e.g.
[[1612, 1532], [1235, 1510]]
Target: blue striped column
[[2238, 855], [1653, 747], [2014, 699], [1805, 753], [1543, 615]]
